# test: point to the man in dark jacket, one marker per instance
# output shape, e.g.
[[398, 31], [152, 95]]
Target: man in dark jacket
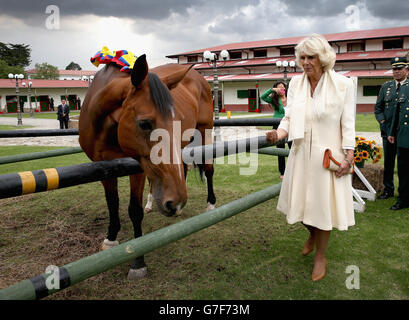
[[63, 114], [52, 104], [385, 109], [398, 134]]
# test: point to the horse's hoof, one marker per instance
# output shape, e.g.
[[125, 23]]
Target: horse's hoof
[[135, 274], [108, 244], [147, 210], [210, 206]]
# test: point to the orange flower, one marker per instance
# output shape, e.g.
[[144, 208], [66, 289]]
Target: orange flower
[[365, 149]]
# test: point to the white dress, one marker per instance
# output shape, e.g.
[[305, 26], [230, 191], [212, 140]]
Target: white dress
[[309, 193]]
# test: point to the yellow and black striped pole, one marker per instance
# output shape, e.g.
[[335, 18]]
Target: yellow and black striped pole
[[21, 183]]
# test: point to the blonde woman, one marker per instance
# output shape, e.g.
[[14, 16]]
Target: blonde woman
[[320, 114]]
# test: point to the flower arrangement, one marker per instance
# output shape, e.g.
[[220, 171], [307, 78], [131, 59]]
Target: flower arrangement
[[365, 149]]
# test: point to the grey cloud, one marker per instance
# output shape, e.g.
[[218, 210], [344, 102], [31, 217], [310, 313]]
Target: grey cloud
[[317, 8], [274, 21], [154, 9], [390, 9], [147, 9], [395, 10]]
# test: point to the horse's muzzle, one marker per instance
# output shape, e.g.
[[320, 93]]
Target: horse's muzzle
[[169, 208]]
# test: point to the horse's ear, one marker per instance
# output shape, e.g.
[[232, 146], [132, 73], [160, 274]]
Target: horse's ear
[[139, 71], [172, 80]]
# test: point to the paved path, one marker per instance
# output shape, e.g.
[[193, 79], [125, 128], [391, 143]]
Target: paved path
[[65, 141], [227, 133]]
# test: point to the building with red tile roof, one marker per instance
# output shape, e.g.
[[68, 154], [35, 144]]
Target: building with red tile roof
[[251, 67], [42, 93]]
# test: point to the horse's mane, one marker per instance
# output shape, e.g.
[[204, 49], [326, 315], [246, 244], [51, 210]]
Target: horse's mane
[[160, 95]]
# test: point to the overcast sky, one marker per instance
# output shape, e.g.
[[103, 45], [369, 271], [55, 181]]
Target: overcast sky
[[163, 27]]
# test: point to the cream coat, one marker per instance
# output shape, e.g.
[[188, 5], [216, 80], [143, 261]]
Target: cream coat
[[309, 193]]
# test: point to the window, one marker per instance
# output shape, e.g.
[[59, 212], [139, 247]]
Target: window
[[356, 46], [289, 51], [192, 59], [242, 94], [371, 91], [235, 55], [260, 53], [393, 44]]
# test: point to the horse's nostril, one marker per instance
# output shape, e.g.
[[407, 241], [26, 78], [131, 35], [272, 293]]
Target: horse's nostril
[[170, 206]]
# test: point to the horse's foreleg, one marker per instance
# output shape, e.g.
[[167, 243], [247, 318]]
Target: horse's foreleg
[[207, 167], [136, 212], [149, 201], [179, 211], [112, 199], [211, 198], [209, 171]]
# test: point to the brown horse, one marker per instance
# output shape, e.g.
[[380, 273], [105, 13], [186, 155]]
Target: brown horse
[[120, 115]]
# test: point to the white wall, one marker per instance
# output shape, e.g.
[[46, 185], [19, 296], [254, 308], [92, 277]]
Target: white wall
[[368, 82], [273, 52], [343, 47], [182, 59], [406, 43], [55, 93], [373, 45], [230, 91], [69, 77]]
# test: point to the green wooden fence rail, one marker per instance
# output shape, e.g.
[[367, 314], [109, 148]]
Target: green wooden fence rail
[[80, 270]]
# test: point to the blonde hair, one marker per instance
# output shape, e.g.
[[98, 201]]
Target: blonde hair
[[316, 44]]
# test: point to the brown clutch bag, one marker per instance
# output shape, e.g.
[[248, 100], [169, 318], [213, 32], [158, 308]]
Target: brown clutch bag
[[330, 163]]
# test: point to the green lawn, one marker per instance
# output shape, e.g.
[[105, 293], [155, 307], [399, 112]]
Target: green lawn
[[363, 123], [366, 122], [254, 255], [242, 113], [39, 115], [9, 127]]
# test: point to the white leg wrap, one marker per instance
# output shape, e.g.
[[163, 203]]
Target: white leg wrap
[[109, 244], [210, 206], [148, 207]]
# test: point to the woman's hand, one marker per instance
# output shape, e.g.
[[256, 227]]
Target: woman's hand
[[343, 169], [272, 136], [278, 91]]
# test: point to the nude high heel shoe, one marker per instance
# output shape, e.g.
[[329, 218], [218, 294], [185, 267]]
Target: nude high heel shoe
[[321, 275], [307, 249]]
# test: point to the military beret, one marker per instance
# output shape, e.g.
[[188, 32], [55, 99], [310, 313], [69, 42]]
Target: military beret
[[399, 62]]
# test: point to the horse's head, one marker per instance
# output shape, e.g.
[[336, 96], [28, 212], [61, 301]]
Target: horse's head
[[146, 133]]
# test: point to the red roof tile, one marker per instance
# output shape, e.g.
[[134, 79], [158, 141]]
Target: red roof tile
[[344, 36], [274, 76], [11, 83], [69, 72], [348, 56]]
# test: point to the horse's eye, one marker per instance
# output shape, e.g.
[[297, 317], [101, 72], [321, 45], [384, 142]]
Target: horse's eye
[[145, 125]]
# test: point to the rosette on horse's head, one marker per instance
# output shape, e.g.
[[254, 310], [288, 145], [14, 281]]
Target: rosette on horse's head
[[122, 58]]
